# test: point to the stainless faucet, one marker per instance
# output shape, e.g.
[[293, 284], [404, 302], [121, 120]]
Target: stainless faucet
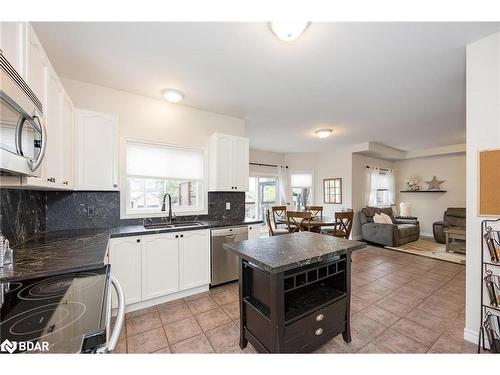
[[169, 206]]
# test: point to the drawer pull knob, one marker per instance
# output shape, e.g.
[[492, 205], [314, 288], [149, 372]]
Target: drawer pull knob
[[319, 332], [320, 317]]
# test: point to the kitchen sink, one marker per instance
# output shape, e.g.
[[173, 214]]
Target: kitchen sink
[[172, 225]]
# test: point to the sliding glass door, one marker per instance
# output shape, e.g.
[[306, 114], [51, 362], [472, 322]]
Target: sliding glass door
[[261, 195]]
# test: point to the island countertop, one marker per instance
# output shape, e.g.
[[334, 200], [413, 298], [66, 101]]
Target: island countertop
[[289, 251]]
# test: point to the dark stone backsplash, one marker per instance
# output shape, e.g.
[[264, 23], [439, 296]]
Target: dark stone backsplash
[[82, 210], [23, 213]]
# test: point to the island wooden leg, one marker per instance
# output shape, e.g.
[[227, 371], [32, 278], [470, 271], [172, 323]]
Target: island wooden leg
[[241, 285]]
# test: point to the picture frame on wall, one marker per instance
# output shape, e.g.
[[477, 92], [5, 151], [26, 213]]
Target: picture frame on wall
[[489, 183]]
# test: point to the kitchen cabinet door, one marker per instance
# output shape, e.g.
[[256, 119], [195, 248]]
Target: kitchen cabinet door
[[125, 259], [12, 44], [36, 66], [67, 135], [52, 158], [194, 259], [254, 231], [160, 265], [96, 144], [220, 163], [240, 166]]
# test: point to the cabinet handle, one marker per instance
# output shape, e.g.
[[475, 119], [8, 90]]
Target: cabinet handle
[[182, 235], [320, 317], [319, 332], [115, 185], [51, 179], [65, 182], [176, 236], [138, 240]]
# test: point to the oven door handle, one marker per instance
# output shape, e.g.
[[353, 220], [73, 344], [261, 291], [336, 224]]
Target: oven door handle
[[120, 317]]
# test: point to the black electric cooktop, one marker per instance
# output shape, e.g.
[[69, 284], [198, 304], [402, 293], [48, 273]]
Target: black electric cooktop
[[57, 314]]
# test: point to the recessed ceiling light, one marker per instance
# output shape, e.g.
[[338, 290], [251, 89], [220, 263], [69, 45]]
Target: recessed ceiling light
[[172, 95], [323, 133], [288, 31]]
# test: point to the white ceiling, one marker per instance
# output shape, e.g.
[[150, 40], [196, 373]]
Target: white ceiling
[[400, 84]]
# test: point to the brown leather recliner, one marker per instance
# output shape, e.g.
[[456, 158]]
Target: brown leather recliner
[[453, 217]]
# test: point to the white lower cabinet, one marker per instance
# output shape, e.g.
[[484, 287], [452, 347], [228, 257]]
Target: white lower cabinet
[[156, 265], [254, 231], [194, 259], [160, 265], [125, 260]]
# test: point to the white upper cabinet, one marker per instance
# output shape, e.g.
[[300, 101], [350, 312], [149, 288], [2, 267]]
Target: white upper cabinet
[[36, 66], [229, 160], [11, 43], [194, 259], [52, 168], [96, 144], [67, 141]]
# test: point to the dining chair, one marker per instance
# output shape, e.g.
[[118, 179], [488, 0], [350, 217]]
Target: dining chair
[[278, 211], [274, 231], [343, 225], [315, 210], [298, 221]]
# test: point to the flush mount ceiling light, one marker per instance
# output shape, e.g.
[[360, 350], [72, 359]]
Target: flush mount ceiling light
[[288, 31], [172, 95], [323, 133]]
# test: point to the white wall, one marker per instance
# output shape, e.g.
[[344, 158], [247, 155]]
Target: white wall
[[147, 119], [359, 163], [429, 207], [323, 165], [265, 157], [483, 132]]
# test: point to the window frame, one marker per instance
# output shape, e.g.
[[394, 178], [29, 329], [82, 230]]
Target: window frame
[[332, 180], [127, 213]]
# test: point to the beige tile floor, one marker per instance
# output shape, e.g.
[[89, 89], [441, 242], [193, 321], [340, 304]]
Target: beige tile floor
[[401, 303]]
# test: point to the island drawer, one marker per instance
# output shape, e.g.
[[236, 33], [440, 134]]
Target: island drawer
[[315, 325]]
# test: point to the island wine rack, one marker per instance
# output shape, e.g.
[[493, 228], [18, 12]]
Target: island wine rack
[[490, 286]]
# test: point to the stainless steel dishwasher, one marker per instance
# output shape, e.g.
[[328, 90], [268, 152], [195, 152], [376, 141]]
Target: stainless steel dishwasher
[[224, 264]]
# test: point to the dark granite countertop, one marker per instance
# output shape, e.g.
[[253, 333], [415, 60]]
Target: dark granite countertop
[[57, 252], [290, 251], [139, 230]]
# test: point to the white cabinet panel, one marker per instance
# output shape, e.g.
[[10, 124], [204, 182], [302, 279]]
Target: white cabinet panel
[[125, 259], [67, 145], [11, 44], [96, 151], [194, 259], [254, 231], [52, 167], [229, 169], [37, 66], [240, 166], [160, 265]]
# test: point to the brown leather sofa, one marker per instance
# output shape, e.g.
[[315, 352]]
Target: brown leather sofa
[[453, 217], [400, 232]]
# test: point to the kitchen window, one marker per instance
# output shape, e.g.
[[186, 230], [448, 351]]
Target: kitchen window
[[154, 170], [301, 184]]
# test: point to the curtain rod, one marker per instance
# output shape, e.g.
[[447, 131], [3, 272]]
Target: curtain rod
[[266, 165], [382, 169]]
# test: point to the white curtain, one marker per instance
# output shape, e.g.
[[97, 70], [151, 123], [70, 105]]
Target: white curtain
[[371, 183], [283, 184]]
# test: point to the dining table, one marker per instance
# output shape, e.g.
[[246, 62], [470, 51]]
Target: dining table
[[316, 222]]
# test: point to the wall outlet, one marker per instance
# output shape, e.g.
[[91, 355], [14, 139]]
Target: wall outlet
[[90, 211], [228, 205]]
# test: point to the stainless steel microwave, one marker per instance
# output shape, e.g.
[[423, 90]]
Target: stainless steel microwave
[[23, 137]]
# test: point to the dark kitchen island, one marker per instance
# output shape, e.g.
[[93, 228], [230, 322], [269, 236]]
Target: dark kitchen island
[[294, 291]]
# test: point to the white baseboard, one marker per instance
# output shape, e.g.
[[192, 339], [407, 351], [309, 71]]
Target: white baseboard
[[163, 299], [426, 234], [357, 237], [471, 336]]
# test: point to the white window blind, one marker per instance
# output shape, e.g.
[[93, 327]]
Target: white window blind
[[164, 162], [303, 180]]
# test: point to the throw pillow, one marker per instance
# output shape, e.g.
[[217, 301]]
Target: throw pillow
[[379, 219], [387, 218]]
